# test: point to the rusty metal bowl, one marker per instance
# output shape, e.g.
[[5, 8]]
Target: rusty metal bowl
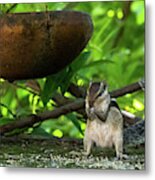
[[34, 45]]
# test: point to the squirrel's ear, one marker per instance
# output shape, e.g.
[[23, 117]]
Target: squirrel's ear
[[104, 85], [104, 82], [90, 83]]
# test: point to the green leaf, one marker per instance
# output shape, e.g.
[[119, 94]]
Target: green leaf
[[5, 120], [40, 131], [110, 36], [102, 31], [62, 79], [80, 61], [75, 121], [51, 85], [66, 80], [98, 63]]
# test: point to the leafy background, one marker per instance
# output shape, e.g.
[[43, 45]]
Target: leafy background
[[115, 53]]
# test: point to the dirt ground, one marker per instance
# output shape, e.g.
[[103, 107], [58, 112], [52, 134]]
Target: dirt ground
[[41, 152]]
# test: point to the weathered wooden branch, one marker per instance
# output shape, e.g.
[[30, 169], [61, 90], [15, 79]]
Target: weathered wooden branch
[[81, 92], [29, 121], [128, 89], [67, 107]]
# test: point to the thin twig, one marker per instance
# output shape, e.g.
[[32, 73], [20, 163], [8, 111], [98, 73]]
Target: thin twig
[[25, 88], [9, 111], [11, 8], [127, 89]]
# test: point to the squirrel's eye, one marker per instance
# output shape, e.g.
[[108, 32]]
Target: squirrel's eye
[[102, 91], [100, 94]]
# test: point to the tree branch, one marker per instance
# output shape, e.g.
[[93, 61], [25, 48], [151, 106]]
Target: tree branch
[[128, 89], [32, 119], [77, 91], [68, 107]]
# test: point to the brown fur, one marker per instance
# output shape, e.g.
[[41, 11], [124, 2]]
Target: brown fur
[[104, 133]]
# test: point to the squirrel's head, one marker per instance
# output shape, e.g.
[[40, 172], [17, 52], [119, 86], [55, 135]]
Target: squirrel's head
[[96, 90]]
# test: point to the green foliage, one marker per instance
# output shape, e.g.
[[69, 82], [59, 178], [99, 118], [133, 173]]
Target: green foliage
[[63, 78], [73, 118], [115, 53], [5, 120]]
